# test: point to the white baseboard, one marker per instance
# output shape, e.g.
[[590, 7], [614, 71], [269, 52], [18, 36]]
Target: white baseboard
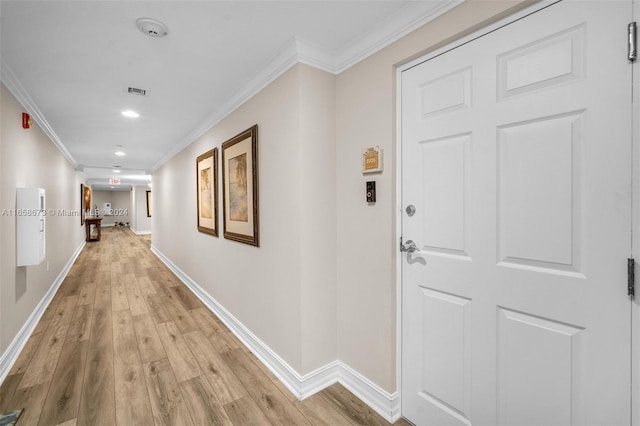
[[302, 386], [135, 231], [382, 402], [10, 356]]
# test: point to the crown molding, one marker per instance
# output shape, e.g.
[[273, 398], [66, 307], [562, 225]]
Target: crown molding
[[12, 83], [409, 18], [309, 54], [285, 59]]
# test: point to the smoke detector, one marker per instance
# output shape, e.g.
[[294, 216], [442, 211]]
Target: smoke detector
[[152, 27]]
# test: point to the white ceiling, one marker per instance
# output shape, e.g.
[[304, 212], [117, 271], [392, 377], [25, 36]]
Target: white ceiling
[[70, 63]]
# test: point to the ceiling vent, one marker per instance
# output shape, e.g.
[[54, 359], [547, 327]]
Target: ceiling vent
[[152, 27], [136, 91]]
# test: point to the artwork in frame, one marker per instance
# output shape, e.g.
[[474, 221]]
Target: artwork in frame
[[82, 209], [85, 202], [240, 187], [148, 203], [207, 192], [87, 198]]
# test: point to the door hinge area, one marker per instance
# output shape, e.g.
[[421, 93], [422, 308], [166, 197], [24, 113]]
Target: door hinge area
[[631, 277], [632, 54]]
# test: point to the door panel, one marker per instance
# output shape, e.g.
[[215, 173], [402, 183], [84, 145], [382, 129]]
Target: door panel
[[519, 70], [444, 171], [516, 154], [447, 376], [539, 192], [556, 369]]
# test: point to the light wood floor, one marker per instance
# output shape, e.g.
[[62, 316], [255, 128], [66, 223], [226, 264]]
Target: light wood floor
[[125, 342]]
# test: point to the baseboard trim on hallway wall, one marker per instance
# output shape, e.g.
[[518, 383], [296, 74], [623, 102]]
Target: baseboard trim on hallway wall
[[382, 402], [10, 356], [302, 386], [135, 231]]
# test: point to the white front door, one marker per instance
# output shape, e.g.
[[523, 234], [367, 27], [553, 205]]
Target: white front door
[[516, 154]]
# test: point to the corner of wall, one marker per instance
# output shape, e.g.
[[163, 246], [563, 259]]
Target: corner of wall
[[318, 276], [133, 213]]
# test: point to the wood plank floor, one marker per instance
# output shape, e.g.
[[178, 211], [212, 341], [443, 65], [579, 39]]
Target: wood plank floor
[[125, 342]]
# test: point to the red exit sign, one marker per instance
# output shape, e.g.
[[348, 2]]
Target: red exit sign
[[114, 181]]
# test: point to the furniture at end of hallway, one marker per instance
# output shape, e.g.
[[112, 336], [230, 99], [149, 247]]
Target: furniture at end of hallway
[[95, 221]]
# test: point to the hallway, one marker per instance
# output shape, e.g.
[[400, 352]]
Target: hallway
[[125, 342]]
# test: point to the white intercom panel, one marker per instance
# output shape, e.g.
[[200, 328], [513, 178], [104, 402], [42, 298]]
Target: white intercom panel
[[30, 226]]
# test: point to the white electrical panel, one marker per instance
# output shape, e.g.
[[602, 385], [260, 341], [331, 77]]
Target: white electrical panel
[[30, 226]]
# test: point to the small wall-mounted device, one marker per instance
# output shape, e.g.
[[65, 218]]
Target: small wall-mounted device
[[30, 226], [371, 191]]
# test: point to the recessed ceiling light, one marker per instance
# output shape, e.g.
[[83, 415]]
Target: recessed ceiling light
[[120, 154], [116, 171], [131, 114]]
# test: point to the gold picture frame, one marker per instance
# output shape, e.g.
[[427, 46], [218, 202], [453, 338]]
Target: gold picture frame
[[240, 187], [207, 192]]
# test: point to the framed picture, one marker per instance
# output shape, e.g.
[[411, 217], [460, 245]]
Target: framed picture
[[207, 192], [148, 203], [87, 198], [240, 187], [85, 202], [82, 210]]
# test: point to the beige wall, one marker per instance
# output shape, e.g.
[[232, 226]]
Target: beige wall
[[266, 288], [29, 159], [120, 203], [318, 216], [140, 222], [367, 241]]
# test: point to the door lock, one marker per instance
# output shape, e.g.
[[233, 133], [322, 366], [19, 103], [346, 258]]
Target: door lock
[[411, 210]]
